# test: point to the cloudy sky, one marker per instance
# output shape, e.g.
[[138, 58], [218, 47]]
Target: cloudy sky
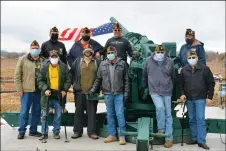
[[22, 22]]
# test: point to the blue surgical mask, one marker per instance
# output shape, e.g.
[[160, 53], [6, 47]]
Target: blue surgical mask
[[111, 56], [159, 57], [192, 62], [34, 52]]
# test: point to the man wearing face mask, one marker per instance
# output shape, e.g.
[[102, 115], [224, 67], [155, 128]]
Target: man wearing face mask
[[84, 72], [158, 77], [192, 42], [113, 77], [54, 80], [121, 44], [197, 87], [54, 44], [25, 77], [78, 47]]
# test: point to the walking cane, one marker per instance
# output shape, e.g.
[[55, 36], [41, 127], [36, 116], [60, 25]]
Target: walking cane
[[183, 124], [63, 107]]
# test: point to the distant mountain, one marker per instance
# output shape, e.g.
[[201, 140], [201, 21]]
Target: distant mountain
[[4, 51]]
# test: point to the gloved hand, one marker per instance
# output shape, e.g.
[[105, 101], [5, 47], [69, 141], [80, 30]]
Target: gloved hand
[[125, 98], [90, 93]]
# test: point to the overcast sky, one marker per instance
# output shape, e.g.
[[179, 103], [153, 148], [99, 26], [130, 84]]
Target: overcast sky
[[22, 22]]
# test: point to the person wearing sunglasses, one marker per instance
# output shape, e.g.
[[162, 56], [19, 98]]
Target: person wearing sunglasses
[[84, 72], [113, 77], [25, 77], [121, 44], [192, 43], [54, 44], [158, 77], [197, 88], [78, 47]]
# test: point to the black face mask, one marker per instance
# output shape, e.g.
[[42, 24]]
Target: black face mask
[[54, 37], [85, 38], [189, 41], [88, 54]]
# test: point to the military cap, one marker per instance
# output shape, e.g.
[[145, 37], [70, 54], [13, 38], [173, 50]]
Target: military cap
[[34, 43], [54, 29], [159, 48], [111, 48], [88, 48], [85, 30], [53, 53], [192, 52], [117, 26], [189, 32]]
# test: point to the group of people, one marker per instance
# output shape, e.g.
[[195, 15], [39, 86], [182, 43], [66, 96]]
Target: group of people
[[44, 76]]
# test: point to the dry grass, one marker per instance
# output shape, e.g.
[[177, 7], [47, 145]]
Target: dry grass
[[11, 101]]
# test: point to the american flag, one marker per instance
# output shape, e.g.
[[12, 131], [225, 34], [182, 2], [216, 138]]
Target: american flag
[[74, 33]]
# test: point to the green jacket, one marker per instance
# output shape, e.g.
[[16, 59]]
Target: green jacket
[[65, 78], [24, 75]]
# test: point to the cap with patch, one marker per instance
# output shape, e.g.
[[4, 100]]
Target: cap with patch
[[53, 53], [54, 29], [192, 52], [111, 48], [189, 32], [88, 48], [117, 26], [159, 48], [85, 30], [34, 43]]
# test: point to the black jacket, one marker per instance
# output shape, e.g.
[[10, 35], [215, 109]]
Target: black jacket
[[50, 45], [122, 46], [76, 50], [197, 84], [120, 82], [76, 75]]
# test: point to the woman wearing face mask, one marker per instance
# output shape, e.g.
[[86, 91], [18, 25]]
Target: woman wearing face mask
[[84, 73], [54, 80], [26, 72], [192, 42], [158, 77], [197, 87]]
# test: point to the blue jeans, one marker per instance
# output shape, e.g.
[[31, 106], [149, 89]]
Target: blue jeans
[[27, 101], [114, 105], [163, 114], [57, 117], [196, 114]]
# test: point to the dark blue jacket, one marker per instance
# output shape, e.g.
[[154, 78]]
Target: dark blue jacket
[[198, 46], [76, 50]]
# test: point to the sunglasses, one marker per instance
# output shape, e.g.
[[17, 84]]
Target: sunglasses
[[191, 57], [110, 53], [160, 52], [117, 30]]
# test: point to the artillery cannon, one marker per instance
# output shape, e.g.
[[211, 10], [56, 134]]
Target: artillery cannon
[[140, 113]]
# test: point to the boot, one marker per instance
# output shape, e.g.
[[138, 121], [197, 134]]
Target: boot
[[20, 136], [76, 135], [36, 134], [110, 139], [204, 146], [56, 136], [122, 141], [168, 144]]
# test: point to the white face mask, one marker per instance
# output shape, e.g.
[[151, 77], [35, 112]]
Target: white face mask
[[54, 60]]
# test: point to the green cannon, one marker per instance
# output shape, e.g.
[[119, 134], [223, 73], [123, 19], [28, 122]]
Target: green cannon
[[140, 113]]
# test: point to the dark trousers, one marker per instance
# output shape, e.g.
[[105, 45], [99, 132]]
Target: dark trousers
[[81, 104]]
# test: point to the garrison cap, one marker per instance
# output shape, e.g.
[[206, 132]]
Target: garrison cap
[[117, 26], [189, 32], [54, 29], [85, 30], [35, 43], [53, 53], [111, 48], [192, 52], [159, 48]]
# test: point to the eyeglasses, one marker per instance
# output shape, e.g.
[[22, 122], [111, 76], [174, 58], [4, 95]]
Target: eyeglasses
[[117, 30], [191, 57], [110, 53], [160, 52]]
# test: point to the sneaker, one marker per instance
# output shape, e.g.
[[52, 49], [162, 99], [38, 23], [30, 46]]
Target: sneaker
[[168, 144], [93, 136], [110, 139], [56, 136], [76, 135], [44, 136], [122, 141], [36, 134], [20, 136]]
